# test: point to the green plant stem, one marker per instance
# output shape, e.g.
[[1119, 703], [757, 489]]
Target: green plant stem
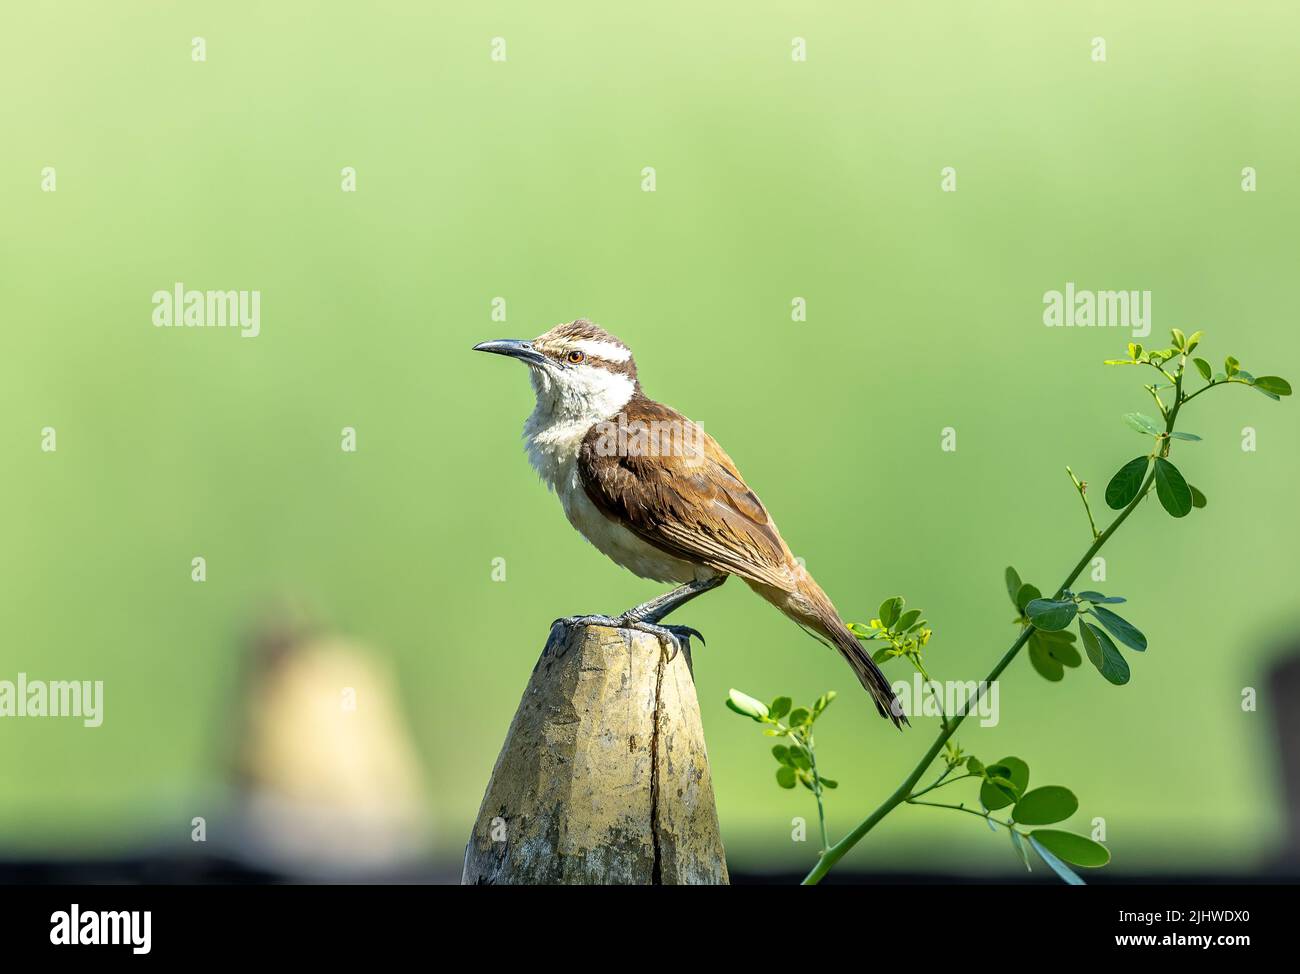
[[961, 808], [929, 684], [941, 783], [817, 793], [1083, 496], [837, 852]]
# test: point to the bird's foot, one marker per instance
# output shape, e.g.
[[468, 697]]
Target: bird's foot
[[672, 638], [609, 621]]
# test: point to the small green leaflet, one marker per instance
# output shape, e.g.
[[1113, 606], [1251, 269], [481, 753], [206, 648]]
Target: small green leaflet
[[1057, 866], [1175, 496], [1011, 770], [1126, 483], [1019, 846], [1121, 629], [1103, 654], [1051, 614], [1045, 806], [1142, 423], [1097, 597], [1272, 386], [1076, 849]]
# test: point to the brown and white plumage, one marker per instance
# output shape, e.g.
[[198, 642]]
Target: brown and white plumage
[[681, 515]]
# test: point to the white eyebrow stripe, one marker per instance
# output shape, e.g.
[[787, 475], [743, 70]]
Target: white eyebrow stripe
[[605, 350]]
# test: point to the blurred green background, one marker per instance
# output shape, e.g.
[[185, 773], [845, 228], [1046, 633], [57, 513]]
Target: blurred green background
[[522, 179]]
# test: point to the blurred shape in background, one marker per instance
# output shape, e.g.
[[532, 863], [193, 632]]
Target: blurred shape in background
[[328, 783], [1284, 684]]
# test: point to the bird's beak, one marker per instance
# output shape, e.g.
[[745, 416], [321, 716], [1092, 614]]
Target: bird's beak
[[515, 348]]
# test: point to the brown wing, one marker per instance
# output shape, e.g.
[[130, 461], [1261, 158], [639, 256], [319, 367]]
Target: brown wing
[[663, 477]]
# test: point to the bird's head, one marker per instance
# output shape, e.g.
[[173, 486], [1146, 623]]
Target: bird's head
[[578, 369]]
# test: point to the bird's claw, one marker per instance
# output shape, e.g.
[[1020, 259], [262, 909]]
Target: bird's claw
[[672, 638], [588, 620]]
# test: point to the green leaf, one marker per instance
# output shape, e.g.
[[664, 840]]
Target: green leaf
[[800, 760], [1203, 367], [974, 766], [1190, 437], [1179, 338], [1013, 584], [798, 717], [779, 707], [1193, 341], [1126, 483], [890, 610], [1076, 849], [1175, 496], [1051, 652], [1097, 597], [1056, 865], [1142, 423], [1060, 646], [781, 753], [880, 656], [906, 620], [1002, 786], [1231, 366], [1273, 385], [1103, 654], [1026, 595], [1019, 846], [1134, 350], [1198, 499], [1051, 614], [1043, 662], [1121, 629], [829, 783], [1046, 805], [823, 702], [785, 776], [745, 705], [1016, 775]]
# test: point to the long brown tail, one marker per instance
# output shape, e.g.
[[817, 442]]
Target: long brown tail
[[809, 606]]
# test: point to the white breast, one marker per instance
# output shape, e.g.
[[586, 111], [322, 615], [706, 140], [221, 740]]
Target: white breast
[[553, 436]]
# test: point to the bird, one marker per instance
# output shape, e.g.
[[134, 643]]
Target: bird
[[651, 490]]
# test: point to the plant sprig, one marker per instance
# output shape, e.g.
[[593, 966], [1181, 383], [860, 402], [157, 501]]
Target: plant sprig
[[1043, 623], [797, 761]]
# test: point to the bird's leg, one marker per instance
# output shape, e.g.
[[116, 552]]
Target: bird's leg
[[658, 607], [646, 616]]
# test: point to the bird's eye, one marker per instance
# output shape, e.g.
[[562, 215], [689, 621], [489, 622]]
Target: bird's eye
[[576, 358]]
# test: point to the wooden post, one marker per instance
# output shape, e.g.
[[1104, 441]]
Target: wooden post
[[603, 777]]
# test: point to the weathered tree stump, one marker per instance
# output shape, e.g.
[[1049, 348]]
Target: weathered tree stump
[[603, 777]]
